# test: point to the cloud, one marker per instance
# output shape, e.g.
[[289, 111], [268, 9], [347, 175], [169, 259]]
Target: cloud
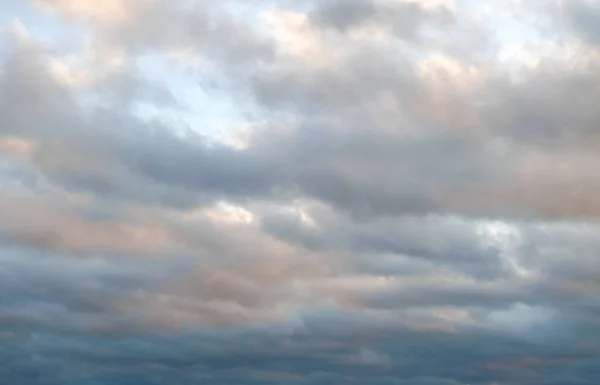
[[411, 204], [582, 15], [404, 18]]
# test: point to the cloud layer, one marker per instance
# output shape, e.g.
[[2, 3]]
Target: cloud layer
[[303, 192]]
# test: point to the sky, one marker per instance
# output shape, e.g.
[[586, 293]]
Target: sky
[[304, 192]]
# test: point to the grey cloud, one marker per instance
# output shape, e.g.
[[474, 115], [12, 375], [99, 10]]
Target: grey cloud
[[309, 357], [362, 170], [365, 79], [403, 18], [551, 109], [122, 88], [41, 296], [489, 158], [533, 263], [117, 267], [110, 152], [584, 16], [114, 155], [451, 243], [370, 173], [345, 14], [141, 26]]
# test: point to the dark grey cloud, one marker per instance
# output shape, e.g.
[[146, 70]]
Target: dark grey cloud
[[319, 353]]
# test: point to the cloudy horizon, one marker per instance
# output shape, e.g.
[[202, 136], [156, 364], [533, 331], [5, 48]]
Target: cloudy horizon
[[398, 192]]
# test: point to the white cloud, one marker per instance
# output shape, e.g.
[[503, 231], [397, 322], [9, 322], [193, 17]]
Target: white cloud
[[103, 11]]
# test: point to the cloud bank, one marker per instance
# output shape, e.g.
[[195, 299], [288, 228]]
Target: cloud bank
[[302, 192]]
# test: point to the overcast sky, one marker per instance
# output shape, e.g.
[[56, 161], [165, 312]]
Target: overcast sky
[[304, 192]]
